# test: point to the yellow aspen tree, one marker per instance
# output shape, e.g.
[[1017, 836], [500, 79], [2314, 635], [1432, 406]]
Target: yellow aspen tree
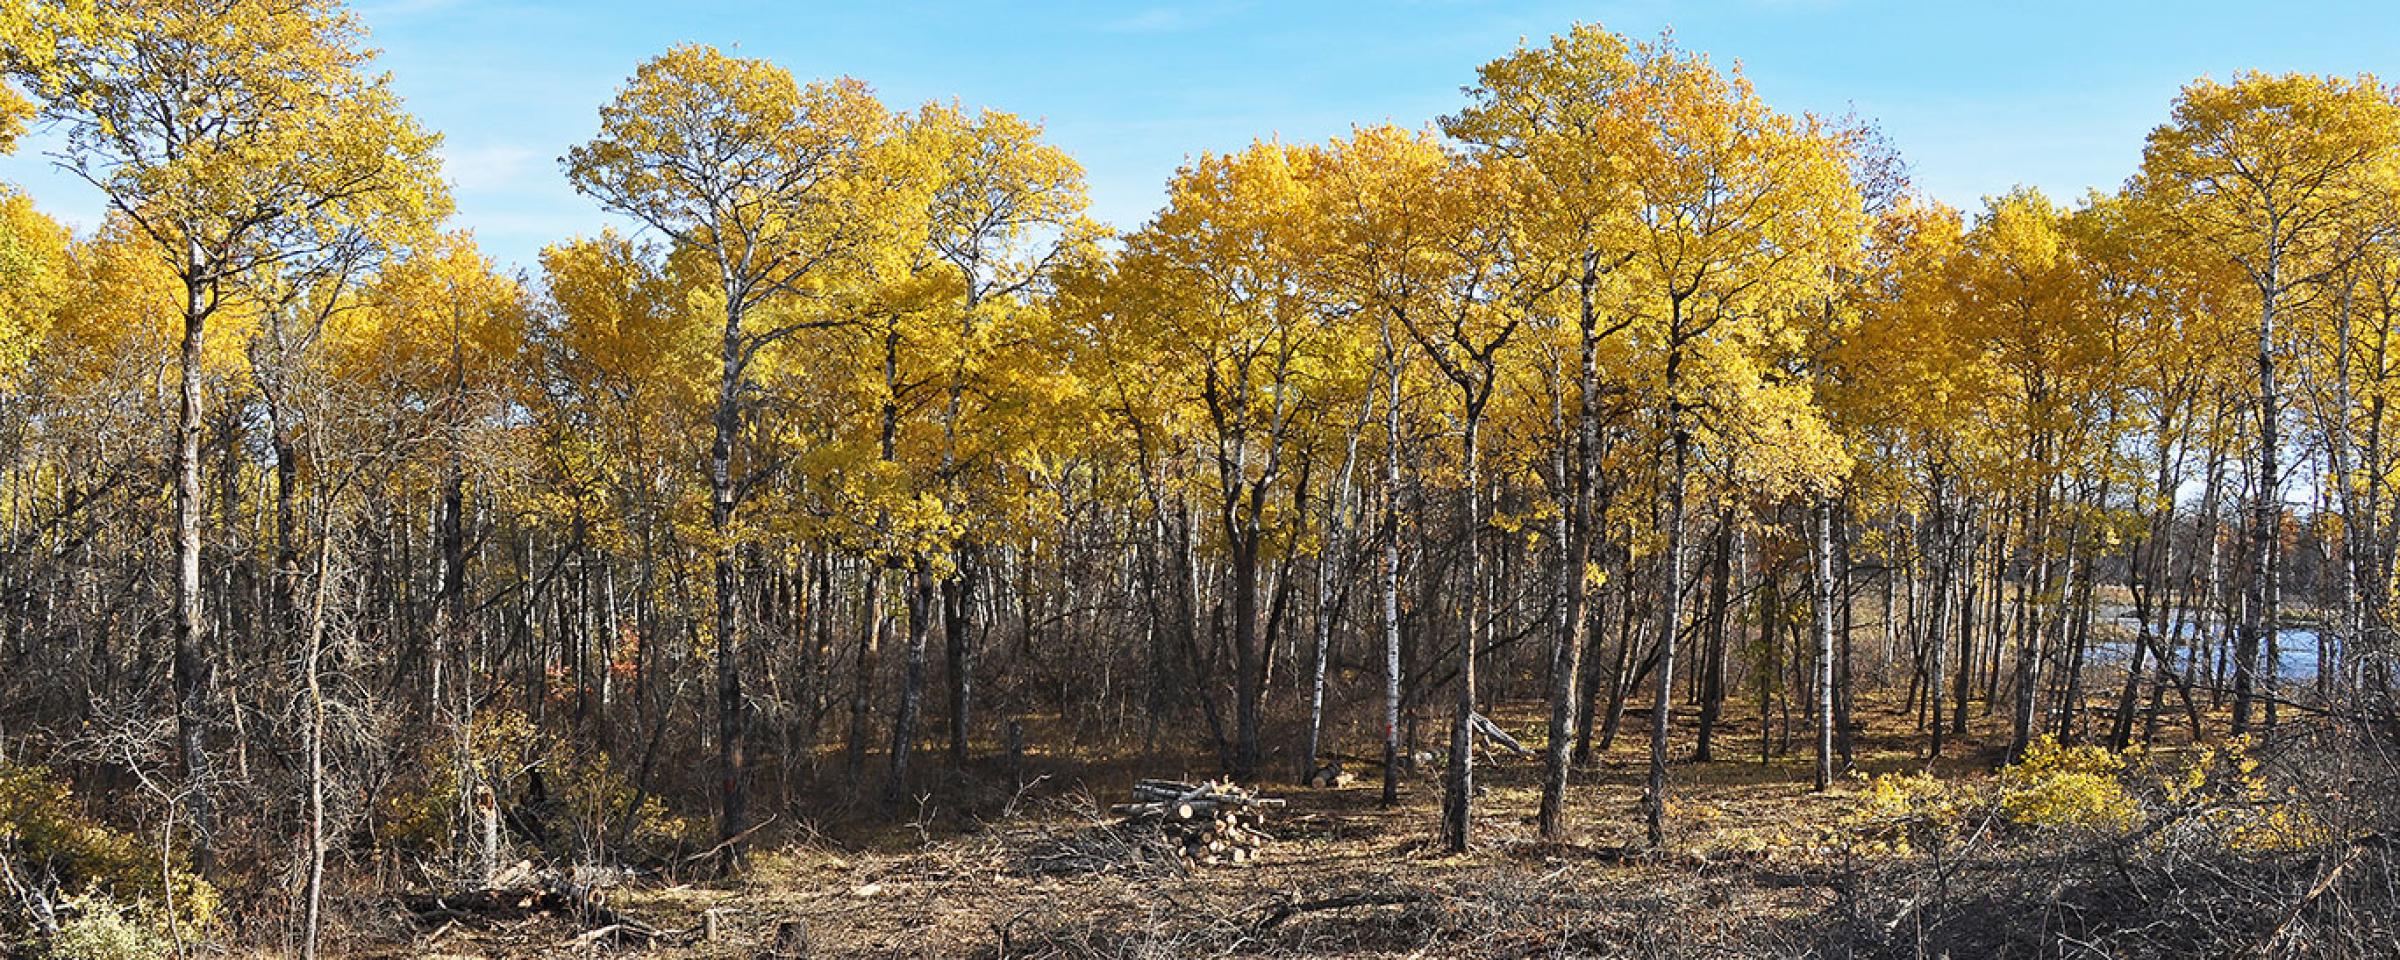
[[444, 329], [235, 137], [2269, 173], [626, 361], [30, 34], [1741, 212], [1218, 288], [2171, 356], [2375, 304], [2022, 294], [1562, 111], [33, 279], [1001, 212], [768, 181], [1441, 275], [1906, 383], [1390, 198]]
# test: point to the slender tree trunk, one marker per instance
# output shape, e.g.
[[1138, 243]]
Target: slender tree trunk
[[727, 424], [1458, 797], [2337, 453], [2266, 515], [2368, 662], [1945, 547], [1249, 665], [958, 619], [1389, 578], [1577, 523], [1843, 704], [1891, 579], [1822, 581], [313, 894], [1594, 669], [2066, 621], [1654, 791], [2029, 632], [924, 597], [1964, 679], [1770, 615], [1566, 666], [1621, 678], [1995, 611], [818, 681], [287, 521], [193, 672], [1713, 653], [2186, 621], [1329, 557], [2147, 571], [2071, 699], [862, 680]]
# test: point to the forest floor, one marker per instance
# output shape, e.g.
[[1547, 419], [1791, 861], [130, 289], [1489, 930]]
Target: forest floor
[[1042, 871]]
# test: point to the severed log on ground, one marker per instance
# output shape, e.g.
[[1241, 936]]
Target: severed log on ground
[[1210, 791], [1329, 774], [532, 892]]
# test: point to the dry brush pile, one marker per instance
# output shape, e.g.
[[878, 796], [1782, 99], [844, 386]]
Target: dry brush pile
[[2278, 847]]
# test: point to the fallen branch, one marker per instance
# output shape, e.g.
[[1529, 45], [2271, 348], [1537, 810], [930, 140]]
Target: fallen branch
[[1496, 736], [616, 933], [1289, 909], [1941, 879], [2292, 914], [728, 842]]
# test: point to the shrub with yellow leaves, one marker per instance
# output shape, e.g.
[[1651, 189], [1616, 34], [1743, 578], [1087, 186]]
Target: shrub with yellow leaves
[[2224, 793], [1900, 811], [2061, 787]]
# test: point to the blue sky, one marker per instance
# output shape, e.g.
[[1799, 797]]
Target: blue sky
[[1978, 97]]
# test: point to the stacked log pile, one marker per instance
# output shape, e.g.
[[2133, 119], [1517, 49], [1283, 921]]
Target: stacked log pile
[[1207, 823]]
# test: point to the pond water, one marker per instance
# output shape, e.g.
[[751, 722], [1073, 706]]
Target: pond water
[[2296, 648]]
